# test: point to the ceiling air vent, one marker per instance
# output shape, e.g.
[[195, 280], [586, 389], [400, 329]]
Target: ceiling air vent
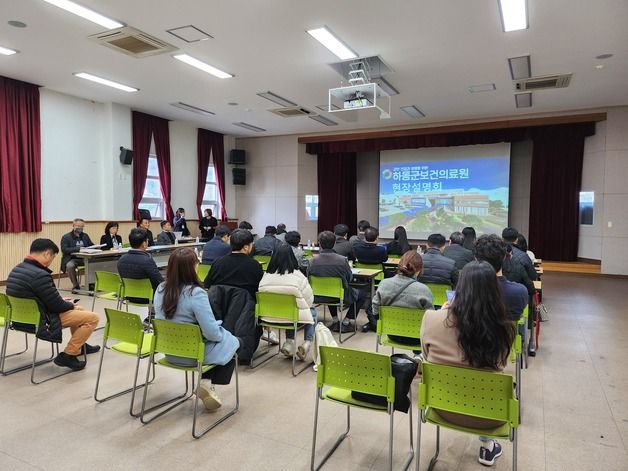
[[133, 42], [291, 111], [544, 82]]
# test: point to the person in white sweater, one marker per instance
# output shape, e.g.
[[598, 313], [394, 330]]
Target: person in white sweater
[[284, 277]]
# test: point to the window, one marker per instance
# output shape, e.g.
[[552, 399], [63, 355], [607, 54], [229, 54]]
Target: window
[[587, 199], [210, 196], [311, 207], [153, 200]]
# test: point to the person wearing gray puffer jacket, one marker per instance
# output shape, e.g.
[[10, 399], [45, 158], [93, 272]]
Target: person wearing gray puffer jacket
[[436, 267]]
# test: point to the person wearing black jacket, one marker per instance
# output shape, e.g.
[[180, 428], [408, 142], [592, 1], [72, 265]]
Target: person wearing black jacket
[[71, 243], [436, 267], [110, 239], [368, 251], [166, 237], [32, 279], [343, 246], [457, 252], [267, 244], [137, 264], [510, 235], [400, 244], [144, 223], [207, 225]]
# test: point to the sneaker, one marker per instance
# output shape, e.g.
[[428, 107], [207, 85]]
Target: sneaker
[[288, 348], [270, 336], [207, 393], [487, 458], [334, 326], [76, 289], [91, 348], [368, 327], [69, 361], [304, 349], [347, 328]]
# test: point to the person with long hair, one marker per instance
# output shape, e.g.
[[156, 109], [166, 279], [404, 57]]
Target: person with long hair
[[284, 277], [400, 244], [182, 299], [469, 238], [110, 238], [179, 223], [474, 331]]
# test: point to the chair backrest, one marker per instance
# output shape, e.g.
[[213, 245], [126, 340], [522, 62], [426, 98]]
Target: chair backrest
[[327, 286], [394, 256], [476, 393], [371, 266], [5, 309], [202, 270], [124, 327], [404, 321], [439, 292], [182, 340], [517, 346], [141, 289], [107, 281], [24, 311], [365, 372], [276, 306], [263, 259], [126, 245], [524, 316]]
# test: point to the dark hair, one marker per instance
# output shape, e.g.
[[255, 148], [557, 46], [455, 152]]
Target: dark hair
[[363, 225], [402, 239], [137, 236], [491, 249], [341, 230], [371, 234], [326, 240], [139, 222], [270, 230], [44, 245], [485, 332], [78, 220], [410, 264], [222, 231], [180, 275], [522, 243], [456, 238], [292, 238], [469, 238], [111, 224], [240, 238], [281, 228], [209, 211], [510, 234], [179, 211], [245, 225], [282, 261], [163, 223], [436, 240]]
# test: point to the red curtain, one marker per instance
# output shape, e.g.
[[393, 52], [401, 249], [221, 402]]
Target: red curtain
[[337, 201], [146, 126], [20, 157], [210, 144]]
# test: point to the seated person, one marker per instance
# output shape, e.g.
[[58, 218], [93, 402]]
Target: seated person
[[510, 236], [32, 279], [237, 268], [71, 243], [281, 232], [144, 223], [182, 299], [166, 236], [179, 223], [457, 252], [400, 244], [208, 224], [329, 264], [343, 246], [368, 251], [137, 263], [436, 267], [110, 238], [267, 244], [245, 225], [475, 332], [491, 249], [293, 238], [218, 246], [403, 289], [284, 277], [522, 244], [362, 226]]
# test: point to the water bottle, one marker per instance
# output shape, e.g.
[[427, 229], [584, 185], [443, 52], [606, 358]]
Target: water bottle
[[309, 244], [197, 239], [176, 242]]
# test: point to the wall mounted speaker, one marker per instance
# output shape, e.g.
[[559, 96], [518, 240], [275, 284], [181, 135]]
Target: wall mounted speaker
[[237, 157], [126, 156], [239, 176]]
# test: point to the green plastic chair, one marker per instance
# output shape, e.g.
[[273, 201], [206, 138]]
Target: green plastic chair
[[185, 341], [108, 286], [137, 289], [343, 370], [372, 266], [439, 293], [475, 393], [126, 245], [128, 330], [331, 287], [271, 309], [523, 321], [25, 312], [516, 357], [264, 260], [202, 270], [401, 321], [5, 320]]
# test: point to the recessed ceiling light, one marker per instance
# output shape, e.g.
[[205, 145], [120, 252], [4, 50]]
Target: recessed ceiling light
[[599, 66], [330, 41], [104, 81], [192, 108], [413, 111], [514, 14], [5, 51], [250, 127], [520, 67], [484, 87], [523, 100], [232, 103], [190, 34], [210, 69], [16, 24], [276, 99], [86, 13], [604, 56], [323, 120]]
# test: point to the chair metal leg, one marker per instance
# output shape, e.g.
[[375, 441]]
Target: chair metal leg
[[3, 353], [391, 414], [419, 420], [338, 440], [294, 356], [410, 456], [54, 346], [25, 366], [514, 450], [518, 367], [378, 339], [435, 457], [177, 400], [355, 325], [266, 354]]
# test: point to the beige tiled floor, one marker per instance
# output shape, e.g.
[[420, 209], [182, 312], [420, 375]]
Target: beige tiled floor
[[575, 408]]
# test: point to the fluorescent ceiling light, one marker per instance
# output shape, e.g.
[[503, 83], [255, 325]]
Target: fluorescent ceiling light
[[514, 14], [484, 87], [523, 100], [323, 120], [210, 69], [104, 81], [250, 127], [326, 107], [276, 99], [5, 51], [386, 86], [336, 46], [86, 13], [520, 67], [413, 111], [192, 108]]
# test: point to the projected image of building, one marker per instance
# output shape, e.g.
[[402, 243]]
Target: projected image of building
[[475, 204]]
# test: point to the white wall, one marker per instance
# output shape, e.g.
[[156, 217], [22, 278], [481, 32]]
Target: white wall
[[183, 167]]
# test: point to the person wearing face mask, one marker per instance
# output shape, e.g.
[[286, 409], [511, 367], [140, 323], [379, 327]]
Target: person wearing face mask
[[179, 223], [71, 243]]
